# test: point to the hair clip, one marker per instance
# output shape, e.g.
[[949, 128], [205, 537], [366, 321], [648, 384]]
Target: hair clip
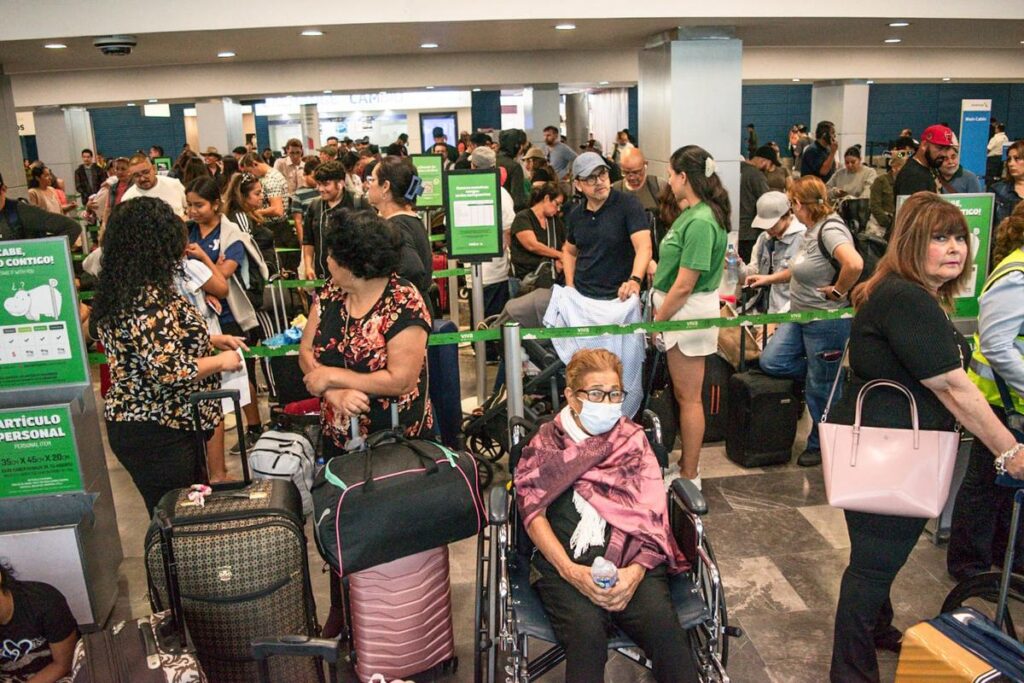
[[415, 189], [709, 167]]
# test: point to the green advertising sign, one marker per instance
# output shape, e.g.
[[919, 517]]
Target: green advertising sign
[[37, 452], [40, 334], [977, 209], [473, 207], [430, 169]]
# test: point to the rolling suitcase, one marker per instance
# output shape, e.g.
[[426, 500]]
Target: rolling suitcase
[[715, 396], [445, 385], [763, 412], [243, 569], [961, 645], [153, 649]]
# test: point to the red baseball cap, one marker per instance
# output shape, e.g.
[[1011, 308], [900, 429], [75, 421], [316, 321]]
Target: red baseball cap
[[939, 135]]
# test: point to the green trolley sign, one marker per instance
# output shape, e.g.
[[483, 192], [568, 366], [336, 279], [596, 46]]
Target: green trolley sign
[[430, 169], [473, 207], [40, 334], [37, 452]]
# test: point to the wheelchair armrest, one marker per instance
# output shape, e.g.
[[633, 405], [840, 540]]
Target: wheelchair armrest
[[497, 507], [690, 496]]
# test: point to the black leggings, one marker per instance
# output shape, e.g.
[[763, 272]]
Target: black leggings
[[158, 458], [649, 620], [879, 547]]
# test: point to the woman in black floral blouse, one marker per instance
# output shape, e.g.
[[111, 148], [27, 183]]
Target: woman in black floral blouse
[[158, 346], [366, 335]]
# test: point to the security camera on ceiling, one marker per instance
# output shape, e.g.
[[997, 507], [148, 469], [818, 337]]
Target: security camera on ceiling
[[118, 46]]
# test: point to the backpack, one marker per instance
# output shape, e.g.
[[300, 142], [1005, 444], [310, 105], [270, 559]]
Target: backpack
[[285, 455], [870, 247]]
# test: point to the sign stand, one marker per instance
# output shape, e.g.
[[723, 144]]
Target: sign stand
[[473, 206], [57, 519]]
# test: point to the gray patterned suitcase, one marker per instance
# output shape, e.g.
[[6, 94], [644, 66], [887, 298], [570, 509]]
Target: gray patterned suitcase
[[243, 573]]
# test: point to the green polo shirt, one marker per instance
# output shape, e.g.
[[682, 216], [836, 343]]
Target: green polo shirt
[[695, 241]]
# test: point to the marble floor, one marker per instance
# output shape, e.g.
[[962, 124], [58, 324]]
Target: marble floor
[[780, 547]]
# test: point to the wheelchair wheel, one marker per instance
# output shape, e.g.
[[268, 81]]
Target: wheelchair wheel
[[486, 446], [982, 592], [710, 636]]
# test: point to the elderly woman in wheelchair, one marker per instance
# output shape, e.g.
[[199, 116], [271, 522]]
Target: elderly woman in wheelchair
[[589, 485]]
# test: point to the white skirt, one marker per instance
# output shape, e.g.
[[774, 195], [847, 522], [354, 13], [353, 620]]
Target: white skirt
[[697, 307]]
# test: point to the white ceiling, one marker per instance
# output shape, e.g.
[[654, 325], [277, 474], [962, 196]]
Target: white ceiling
[[340, 41]]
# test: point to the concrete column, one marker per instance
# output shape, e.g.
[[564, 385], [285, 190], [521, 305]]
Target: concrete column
[[577, 119], [10, 143], [310, 119], [845, 104], [219, 121], [61, 135], [690, 93], [540, 110]]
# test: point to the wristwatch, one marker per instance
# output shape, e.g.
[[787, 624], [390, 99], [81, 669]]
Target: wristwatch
[[1007, 456], [637, 280], [835, 294]]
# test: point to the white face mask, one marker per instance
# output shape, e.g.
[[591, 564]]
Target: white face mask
[[598, 418]]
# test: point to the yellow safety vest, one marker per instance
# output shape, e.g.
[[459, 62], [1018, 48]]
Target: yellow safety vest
[[980, 371]]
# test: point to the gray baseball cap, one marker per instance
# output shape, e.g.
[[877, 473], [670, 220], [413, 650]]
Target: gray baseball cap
[[771, 206], [587, 165]]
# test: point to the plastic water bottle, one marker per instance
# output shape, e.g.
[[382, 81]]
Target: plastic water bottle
[[604, 573], [731, 277]]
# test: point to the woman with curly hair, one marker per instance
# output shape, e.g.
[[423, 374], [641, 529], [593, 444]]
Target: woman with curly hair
[[158, 346], [981, 516], [366, 335]]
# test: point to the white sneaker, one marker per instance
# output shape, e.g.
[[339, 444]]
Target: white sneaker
[[670, 474]]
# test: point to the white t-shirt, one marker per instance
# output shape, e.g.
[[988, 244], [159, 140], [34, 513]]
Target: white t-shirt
[[168, 189], [496, 270]]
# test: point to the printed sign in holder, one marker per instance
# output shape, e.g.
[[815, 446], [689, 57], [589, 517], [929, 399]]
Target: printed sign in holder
[[472, 202], [430, 169], [54, 487]]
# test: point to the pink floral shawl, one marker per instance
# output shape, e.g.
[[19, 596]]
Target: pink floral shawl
[[618, 474]]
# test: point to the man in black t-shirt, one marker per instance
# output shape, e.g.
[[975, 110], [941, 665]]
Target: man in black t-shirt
[[330, 183], [37, 631], [819, 158], [919, 173], [608, 237]]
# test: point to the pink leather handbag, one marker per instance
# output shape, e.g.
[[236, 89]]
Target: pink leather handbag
[[885, 470]]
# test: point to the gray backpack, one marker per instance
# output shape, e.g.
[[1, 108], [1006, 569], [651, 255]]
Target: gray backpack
[[285, 455]]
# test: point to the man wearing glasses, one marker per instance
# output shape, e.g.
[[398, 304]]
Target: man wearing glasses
[[608, 237], [644, 186], [146, 183]]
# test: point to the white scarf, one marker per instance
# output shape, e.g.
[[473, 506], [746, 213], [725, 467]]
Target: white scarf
[[589, 533]]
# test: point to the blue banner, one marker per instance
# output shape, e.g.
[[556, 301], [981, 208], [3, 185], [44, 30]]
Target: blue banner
[[975, 116]]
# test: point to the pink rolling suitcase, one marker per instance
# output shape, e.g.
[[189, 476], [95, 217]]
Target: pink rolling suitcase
[[401, 616]]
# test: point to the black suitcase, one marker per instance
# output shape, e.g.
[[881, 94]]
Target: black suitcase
[[153, 649], [243, 569], [715, 396], [763, 412]]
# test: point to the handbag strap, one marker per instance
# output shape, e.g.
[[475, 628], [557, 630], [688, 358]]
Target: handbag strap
[[835, 382]]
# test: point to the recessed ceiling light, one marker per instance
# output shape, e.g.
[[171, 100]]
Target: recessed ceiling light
[[328, 92], [153, 100], [871, 82], [130, 104], [225, 55], [945, 79], [476, 89], [55, 46], [565, 27], [428, 46], [899, 24], [796, 80], [603, 83], [312, 33], [430, 87], [893, 40]]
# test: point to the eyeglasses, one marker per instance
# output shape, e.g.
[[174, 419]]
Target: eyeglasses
[[598, 395], [598, 177]]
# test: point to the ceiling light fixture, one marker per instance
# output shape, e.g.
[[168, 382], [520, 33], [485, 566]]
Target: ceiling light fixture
[[328, 92], [430, 87], [945, 79], [312, 33], [796, 80], [899, 24], [153, 100], [565, 27], [476, 89], [130, 104], [870, 82], [428, 46], [603, 83], [226, 54], [893, 41], [55, 46]]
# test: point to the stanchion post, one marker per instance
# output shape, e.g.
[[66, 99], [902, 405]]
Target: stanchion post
[[511, 337], [478, 317], [453, 293]]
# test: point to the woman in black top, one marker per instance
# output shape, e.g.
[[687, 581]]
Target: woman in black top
[[37, 631], [537, 233], [902, 333], [392, 189]]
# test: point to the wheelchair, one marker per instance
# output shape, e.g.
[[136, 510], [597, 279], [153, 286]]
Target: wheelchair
[[509, 611]]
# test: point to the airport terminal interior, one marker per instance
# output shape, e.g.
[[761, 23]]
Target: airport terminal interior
[[663, 106]]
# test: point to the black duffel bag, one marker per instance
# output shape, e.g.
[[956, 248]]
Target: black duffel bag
[[395, 498]]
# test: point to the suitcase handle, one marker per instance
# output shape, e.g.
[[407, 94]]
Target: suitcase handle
[[195, 400], [166, 529], [294, 646]]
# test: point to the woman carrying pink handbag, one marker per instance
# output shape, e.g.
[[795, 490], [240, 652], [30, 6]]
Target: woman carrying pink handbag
[[902, 336]]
